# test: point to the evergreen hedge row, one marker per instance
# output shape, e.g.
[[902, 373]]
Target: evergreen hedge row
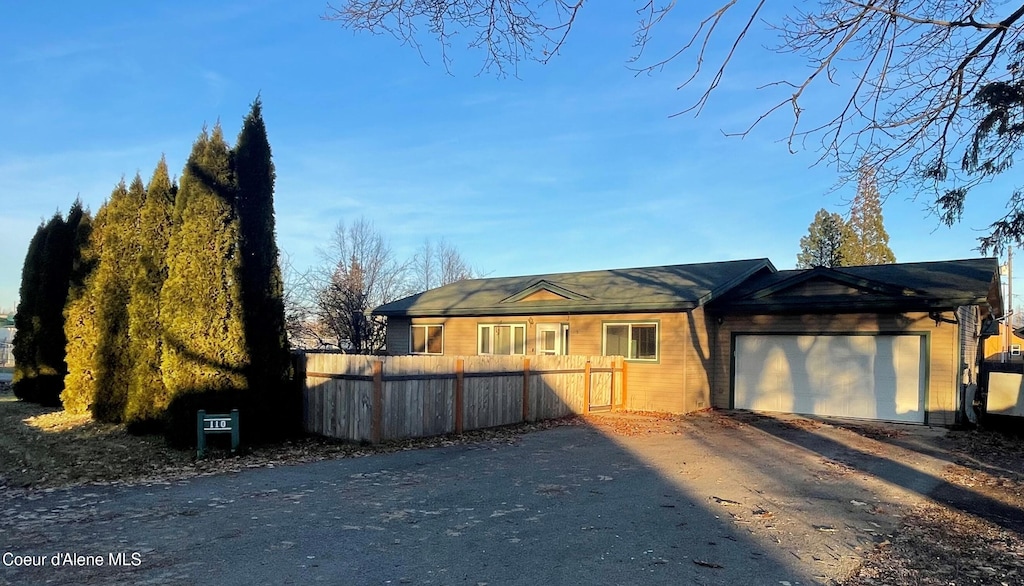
[[170, 301]]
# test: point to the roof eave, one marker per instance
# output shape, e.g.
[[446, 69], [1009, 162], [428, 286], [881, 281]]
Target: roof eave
[[888, 305], [546, 308], [736, 281]]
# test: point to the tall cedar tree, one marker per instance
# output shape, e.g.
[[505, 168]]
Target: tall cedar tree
[[262, 287], [822, 245], [26, 320], [205, 359], [865, 241], [113, 294], [80, 326], [147, 396], [52, 293]]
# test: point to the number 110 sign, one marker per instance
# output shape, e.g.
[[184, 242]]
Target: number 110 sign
[[216, 423]]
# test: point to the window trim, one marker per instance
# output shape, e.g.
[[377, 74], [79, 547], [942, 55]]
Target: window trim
[[426, 340], [629, 335], [490, 342]]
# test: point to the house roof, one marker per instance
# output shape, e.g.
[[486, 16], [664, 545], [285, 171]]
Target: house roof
[[921, 286], [664, 288]]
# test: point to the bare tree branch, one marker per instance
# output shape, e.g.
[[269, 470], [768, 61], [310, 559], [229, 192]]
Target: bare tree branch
[[911, 69]]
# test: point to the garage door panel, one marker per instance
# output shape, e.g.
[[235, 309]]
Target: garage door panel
[[875, 377]]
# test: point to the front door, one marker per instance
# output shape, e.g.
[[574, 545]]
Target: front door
[[552, 339]]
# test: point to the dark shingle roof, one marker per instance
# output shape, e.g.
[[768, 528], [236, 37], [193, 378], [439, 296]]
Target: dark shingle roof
[[907, 286], [674, 287]]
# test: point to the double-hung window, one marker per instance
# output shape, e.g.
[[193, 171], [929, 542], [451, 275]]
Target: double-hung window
[[426, 339], [634, 341], [502, 339]]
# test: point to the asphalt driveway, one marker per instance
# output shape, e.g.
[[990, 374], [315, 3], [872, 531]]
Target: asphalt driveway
[[698, 500]]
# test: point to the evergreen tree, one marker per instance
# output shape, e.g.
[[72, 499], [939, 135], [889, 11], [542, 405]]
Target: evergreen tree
[[80, 327], [56, 261], [204, 349], [865, 241], [119, 251], [26, 320], [48, 363], [821, 247], [147, 396], [261, 283]]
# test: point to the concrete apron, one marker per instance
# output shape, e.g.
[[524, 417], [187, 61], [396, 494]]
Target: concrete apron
[[805, 490]]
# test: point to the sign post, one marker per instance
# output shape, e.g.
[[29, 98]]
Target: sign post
[[221, 423]]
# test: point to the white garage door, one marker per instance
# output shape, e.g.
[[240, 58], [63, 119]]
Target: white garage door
[[870, 377]]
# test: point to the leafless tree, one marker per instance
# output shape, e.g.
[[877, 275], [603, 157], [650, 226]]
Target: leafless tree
[[913, 70], [424, 267], [436, 265], [304, 330], [360, 272]]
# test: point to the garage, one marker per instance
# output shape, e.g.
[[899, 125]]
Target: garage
[[868, 376]]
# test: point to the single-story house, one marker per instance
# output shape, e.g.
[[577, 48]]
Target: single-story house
[[889, 342]]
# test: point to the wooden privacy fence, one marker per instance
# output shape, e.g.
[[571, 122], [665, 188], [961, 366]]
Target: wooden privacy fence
[[375, 398]]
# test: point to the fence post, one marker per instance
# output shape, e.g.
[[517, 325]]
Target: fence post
[[625, 377], [526, 389], [586, 388], [615, 368], [459, 370], [299, 374], [378, 400]]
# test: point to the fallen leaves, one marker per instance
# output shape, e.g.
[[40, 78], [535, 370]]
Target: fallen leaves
[[725, 502], [705, 564], [942, 545]]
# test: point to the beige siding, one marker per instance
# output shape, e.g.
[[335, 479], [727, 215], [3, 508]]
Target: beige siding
[[698, 361], [942, 338], [676, 383], [542, 295]]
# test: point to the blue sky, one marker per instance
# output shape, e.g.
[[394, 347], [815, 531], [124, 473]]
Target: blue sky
[[573, 165]]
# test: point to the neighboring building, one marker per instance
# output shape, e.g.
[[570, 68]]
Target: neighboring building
[[889, 342], [1003, 344], [6, 340]]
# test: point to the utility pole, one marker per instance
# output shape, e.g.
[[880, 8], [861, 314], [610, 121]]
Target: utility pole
[[1009, 305]]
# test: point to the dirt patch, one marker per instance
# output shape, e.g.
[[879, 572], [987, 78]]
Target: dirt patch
[[636, 423]]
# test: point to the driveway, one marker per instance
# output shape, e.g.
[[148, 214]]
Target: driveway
[[710, 499]]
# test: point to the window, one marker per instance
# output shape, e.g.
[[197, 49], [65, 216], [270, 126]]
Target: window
[[634, 341], [427, 339], [502, 339], [552, 339]]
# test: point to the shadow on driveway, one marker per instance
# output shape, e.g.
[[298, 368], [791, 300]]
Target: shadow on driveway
[[567, 505], [923, 477]]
